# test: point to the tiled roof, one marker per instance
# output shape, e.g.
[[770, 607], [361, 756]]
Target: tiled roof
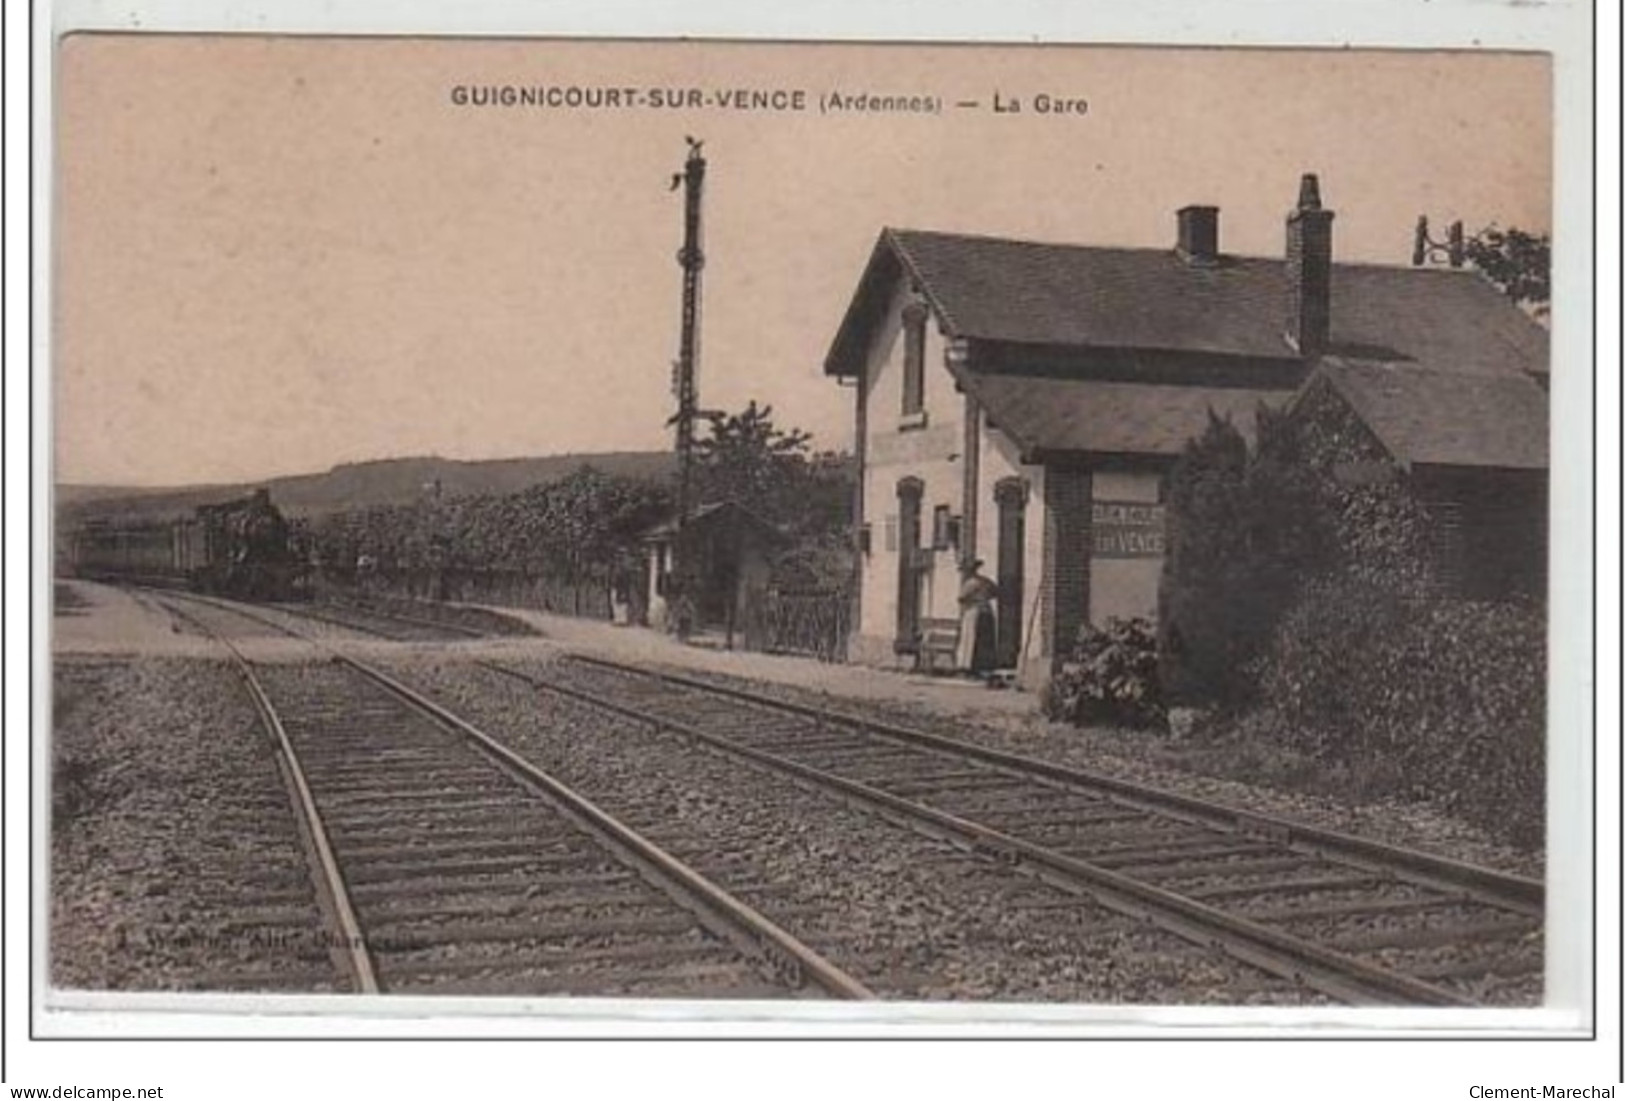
[[714, 513], [1445, 418], [1046, 414], [1437, 362], [1022, 292]]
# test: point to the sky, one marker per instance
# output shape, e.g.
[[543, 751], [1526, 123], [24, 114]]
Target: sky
[[275, 254]]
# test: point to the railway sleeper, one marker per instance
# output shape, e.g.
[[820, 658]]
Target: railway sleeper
[[913, 784], [642, 953], [1355, 907], [846, 764], [427, 818], [492, 829], [1220, 870], [369, 754], [387, 939], [860, 750], [355, 722], [1106, 823], [451, 779], [436, 848], [379, 759], [513, 907], [728, 724], [714, 982], [370, 872], [1200, 848], [535, 888], [1142, 835], [1283, 887], [1061, 810], [815, 743], [407, 799], [465, 885], [1088, 847]]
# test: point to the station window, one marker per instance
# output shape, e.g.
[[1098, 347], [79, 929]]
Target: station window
[[914, 315], [944, 528]]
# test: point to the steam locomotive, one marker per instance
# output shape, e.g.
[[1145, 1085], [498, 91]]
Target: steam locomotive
[[244, 549]]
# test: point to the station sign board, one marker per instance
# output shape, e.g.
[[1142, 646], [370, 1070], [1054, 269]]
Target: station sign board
[[1128, 529]]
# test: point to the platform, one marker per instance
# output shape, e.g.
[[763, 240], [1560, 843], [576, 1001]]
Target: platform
[[948, 695]]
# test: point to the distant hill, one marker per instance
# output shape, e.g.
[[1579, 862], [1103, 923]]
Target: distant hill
[[357, 485]]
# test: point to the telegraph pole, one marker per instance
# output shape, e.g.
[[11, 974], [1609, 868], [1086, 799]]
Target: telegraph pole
[[692, 260]]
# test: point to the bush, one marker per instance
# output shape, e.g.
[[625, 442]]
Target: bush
[[1245, 527], [1110, 678], [1448, 695]]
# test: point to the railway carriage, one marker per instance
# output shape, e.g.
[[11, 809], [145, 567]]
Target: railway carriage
[[242, 548], [138, 551]]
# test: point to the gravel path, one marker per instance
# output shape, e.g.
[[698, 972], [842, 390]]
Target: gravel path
[[911, 917], [88, 618], [175, 860]]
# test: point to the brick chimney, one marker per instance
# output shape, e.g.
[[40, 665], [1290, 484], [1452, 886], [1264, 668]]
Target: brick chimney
[[1198, 234], [1309, 272]]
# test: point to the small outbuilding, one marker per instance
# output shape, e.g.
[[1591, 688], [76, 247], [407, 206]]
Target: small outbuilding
[[1470, 446], [711, 574]]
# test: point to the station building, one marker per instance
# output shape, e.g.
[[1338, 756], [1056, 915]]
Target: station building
[[1020, 403]]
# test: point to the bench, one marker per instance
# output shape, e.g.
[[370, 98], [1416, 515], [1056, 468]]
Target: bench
[[939, 645]]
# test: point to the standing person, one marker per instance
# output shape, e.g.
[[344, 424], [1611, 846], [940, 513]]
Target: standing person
[[977, 628]]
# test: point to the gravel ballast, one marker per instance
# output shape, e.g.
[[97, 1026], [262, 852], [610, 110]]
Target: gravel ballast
[[175, 863], [1151, 759], [912, 917], [175, 859]]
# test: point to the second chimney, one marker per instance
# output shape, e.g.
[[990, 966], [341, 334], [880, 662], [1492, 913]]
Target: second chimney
[[1199, 234], [1309, 272]]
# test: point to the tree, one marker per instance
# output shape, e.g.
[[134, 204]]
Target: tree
[[1246, 528], [1519, 263], [748, 459], [584, 527]]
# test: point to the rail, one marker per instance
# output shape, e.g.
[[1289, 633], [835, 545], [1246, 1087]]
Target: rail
[[734, 919]]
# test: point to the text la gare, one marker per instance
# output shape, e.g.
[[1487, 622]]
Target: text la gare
[[1041, 104]]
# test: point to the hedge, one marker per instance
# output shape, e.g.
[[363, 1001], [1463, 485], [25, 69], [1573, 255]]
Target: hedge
[[1434, 700]]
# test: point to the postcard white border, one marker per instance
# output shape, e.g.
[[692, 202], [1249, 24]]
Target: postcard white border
[[1563, 29]]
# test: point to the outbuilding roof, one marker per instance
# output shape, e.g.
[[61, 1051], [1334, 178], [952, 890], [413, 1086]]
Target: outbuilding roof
[[1444, 418], [711, 515], [1024, 292]]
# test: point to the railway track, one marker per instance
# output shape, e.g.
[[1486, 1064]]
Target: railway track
[[1360, 921], [1356, 920], [394, 627], [909, 915], [448, 864]]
